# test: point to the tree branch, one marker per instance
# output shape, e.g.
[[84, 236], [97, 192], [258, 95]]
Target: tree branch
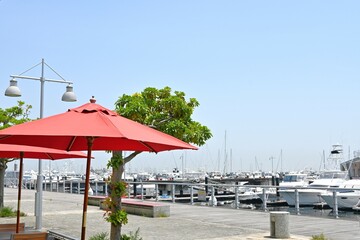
[[153, 124], [131, 156]]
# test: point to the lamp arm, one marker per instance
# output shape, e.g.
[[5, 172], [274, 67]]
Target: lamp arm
[[37, 78]]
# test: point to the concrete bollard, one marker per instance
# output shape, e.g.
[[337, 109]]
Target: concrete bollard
[[279, 225]]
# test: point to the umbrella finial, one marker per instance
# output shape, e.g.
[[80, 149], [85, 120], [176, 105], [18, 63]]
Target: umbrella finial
[[92, 99]]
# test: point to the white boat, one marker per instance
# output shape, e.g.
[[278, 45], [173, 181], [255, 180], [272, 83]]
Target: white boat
[[310, 195], [296, 179], [195, 176], [347, 198], [270, 195], [293, 179], [356, 207], [215, 175], [248, 193], [334, 177], [143, 176], [148, 190], [254, 194], [29, 177]]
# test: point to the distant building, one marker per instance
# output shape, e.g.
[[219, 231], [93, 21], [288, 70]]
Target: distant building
[[11, 178], [352, 166]]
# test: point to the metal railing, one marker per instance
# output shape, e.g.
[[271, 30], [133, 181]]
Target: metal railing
[[211, 195], [59, 236], [194, 191]]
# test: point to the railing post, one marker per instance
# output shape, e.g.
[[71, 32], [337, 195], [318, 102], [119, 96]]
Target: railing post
[[64, 186], [106, 189], [142, 190], [264, 199], [336, 211], [191, 195], [206, 185], [297, 202], [128, 190], [96, 188], [57, 185], [50, 183], [236, 197], [78, 186], [213, 196], [173, 192], [71, 186], [134, 188], [156, 192]]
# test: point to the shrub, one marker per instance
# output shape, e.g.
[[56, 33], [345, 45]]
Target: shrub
[[132, 236], [100, 236], [319, 237], [9, 212]]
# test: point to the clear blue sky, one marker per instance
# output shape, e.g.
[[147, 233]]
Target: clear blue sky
[[276, 76]]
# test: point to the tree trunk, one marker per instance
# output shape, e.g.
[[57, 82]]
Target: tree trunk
[[3, 167], [115, 233]]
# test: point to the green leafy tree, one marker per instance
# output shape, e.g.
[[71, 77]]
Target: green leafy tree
[[160, 109], [9, 117]]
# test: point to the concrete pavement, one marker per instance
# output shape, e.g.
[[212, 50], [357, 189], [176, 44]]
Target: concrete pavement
[[62, 212]]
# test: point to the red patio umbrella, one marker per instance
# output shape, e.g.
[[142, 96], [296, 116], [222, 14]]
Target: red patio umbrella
[[22, 151], [92, 127]]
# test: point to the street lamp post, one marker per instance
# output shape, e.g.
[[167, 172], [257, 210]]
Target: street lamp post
[[68, 96]]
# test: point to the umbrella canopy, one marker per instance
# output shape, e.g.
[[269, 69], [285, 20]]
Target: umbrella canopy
[[14, 151], [22, 151], [68, 131], [92, 127]]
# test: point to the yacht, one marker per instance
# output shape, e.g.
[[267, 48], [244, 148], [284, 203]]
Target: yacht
[[311, 194], [347, 196], [296, 179], [248, 194]]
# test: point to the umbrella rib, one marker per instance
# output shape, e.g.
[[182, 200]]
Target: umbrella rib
[[71, 143], [148, 146], [50, 157], [4, 137]]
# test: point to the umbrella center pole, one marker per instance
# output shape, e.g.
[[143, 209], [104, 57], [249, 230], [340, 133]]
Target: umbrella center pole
[[19, 192], [90, 141], [39, 197]]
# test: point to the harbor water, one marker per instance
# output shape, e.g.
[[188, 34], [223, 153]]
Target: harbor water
[[310, 211]]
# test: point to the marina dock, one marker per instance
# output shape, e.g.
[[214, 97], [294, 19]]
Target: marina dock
[[62, 213]]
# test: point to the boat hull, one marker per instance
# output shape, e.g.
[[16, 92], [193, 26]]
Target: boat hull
[[346, 200], [307, 197]]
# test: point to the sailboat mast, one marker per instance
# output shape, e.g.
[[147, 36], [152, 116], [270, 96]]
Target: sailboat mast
[[281, 167], [231, 167], [225, 157], [218, 164]]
